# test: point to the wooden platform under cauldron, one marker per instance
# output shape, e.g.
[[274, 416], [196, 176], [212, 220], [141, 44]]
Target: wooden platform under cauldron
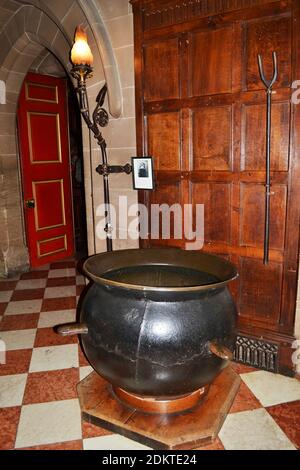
[[188, 430]]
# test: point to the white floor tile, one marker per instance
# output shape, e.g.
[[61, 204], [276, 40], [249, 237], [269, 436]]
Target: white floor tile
[[62, 291], [66, 272], [85, 371], [54, 358], [23, 306], [272, 389], [46, 423], [31, 284], [253, 430], [112, 442], [81, 280], [18, 339], [50, 319], [12, 390], [5, 295]]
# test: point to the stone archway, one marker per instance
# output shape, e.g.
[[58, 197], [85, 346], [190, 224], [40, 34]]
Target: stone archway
[[29, 31]]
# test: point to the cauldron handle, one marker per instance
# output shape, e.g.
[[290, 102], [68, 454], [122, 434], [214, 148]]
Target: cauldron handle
[[72, 329], [221, 351]]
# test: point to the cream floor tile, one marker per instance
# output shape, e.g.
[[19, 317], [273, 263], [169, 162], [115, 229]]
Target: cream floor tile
[[12, 390], [112, 442], [50, 319], [31, 284], [66, 272], [5, 295], [63, 291], [272, 389], [85, 371], [23, 306], [81, 280], [253, 430], [46, 423], [54, 358], [18, 339]]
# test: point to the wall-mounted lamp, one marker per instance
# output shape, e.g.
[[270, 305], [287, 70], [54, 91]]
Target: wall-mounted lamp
[[82, 60]]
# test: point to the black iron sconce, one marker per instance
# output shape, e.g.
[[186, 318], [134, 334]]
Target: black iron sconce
[[82, 60]]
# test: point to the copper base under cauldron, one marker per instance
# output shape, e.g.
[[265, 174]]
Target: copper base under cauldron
[[163, 405]]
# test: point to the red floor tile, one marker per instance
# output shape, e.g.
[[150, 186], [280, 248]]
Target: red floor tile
[[61, 281], [19, 322], [287, 416], [242, 368], [80, 289], [244, 400], [9, 420], [8, 285], [69, 445], [48, 337], [63, 264], [28, 294], [63, 303], [51, 386], [3, 306], [90, 430], [82, 359], [17, 362], [35, 275]]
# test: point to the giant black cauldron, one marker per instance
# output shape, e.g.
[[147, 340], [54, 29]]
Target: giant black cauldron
[[157, 322]]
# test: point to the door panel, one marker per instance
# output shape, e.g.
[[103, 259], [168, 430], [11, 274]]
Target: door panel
[[44, 149], [44, 127]]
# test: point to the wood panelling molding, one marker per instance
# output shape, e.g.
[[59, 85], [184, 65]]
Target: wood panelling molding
[[165, 13]]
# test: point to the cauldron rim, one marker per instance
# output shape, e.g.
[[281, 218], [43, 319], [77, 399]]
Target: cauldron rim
[[176, 257]]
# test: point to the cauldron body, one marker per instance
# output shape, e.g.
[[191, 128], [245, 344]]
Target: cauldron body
[[152, 316]]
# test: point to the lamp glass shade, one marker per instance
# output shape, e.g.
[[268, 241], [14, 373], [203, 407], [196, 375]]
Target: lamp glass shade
[[81, 53]]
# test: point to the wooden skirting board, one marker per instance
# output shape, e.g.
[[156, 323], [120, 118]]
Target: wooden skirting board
[[188, 430]]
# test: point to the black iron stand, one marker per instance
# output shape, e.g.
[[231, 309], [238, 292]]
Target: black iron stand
[[268, 84], [99, 118]]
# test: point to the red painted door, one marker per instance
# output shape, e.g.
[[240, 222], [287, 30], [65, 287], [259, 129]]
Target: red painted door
[[44, 149]]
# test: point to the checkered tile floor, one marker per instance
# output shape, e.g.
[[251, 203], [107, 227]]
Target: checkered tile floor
[[39, 405]]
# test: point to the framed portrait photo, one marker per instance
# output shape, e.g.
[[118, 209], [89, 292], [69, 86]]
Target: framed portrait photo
[[142, 172]]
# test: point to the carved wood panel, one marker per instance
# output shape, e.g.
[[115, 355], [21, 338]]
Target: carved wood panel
[[217, 201], [208, 137], [165, 195], [260, 290], [161, 63], [254, 149], [164, 140], [212, 138], [253, 215], [263, 37], [210, 52]]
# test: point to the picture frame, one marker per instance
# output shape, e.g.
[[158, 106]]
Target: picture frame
[[142, 173]]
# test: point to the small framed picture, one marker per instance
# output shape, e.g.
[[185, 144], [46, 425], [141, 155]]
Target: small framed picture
[[142, 172]]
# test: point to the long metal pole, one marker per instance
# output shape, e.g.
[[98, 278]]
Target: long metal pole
[[268, 178]]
